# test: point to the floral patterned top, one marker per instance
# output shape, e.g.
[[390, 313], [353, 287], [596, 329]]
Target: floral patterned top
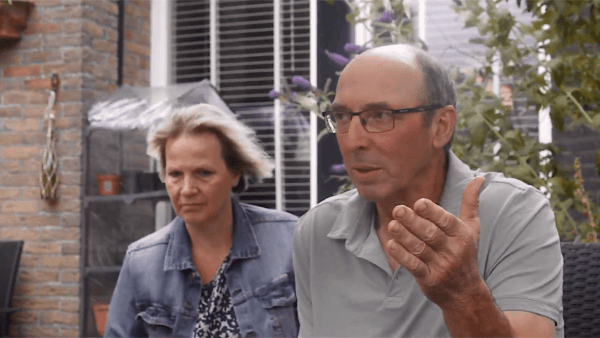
[[216, 316]]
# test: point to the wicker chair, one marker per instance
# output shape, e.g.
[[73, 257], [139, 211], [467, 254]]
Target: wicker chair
[[581, 289], [10, 253]]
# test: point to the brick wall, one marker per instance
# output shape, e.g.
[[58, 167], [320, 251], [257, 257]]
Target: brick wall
[[78, 40]]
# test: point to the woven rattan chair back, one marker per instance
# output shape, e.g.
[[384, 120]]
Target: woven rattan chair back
[[581, 289]]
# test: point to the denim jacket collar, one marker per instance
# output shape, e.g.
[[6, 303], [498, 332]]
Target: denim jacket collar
[[179, 251]]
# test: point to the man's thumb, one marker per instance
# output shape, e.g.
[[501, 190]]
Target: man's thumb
[[469, 208]]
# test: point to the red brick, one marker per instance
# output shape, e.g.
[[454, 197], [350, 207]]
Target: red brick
[[93, 29], [28, 261], [40, 220], [26, 289], [39, 331], [41, 56], [69, 191], [30, 193], [104, 46], [9, 112], [57, 317], [71, 178], [65, 332], [22, 97], [20, 152], [62, 68], [25, 317], [69, 276], [70, 248], [58, 290], [34, 137], [44, 83], [69, 11], [73, 109], [19, 179], [9, 193], [9, 138], [21, 207], [67, 122], [19, 234], [37, 275], [34, 110], [61, 262], [47, 3], [41, 248], [20, 71], [22, 124], [10, 56], [30, 42], [70, 220], [69, 305], [37, 303], [43, 28], [68, 205], [64, 40], [71, 83], [60, 234]]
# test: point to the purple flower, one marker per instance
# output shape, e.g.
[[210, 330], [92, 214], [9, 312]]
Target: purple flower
[[300, 81], [338, 169], [337, 58], [293, 95], [386, 17], [273, 94], [352, 48]]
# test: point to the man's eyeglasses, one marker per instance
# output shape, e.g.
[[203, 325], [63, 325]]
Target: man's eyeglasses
[[373, 120]]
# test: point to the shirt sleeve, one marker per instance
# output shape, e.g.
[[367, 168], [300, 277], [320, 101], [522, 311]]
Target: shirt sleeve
[[523, 268], [301, 260], [121, 320]]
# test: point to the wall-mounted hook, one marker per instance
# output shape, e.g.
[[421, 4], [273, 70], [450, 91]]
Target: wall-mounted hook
[[55, 82]]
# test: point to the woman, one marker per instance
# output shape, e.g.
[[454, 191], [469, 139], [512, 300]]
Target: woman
[[221, 268]]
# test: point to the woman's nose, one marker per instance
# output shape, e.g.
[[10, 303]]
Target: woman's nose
[[189, 186]]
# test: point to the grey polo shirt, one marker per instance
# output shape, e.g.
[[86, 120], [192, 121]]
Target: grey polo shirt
[[345, 286]]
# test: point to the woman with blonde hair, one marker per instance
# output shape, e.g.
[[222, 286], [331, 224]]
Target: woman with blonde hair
[[221, 268]]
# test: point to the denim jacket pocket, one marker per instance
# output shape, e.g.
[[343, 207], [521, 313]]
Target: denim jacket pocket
[[279, 299], [158, 321]]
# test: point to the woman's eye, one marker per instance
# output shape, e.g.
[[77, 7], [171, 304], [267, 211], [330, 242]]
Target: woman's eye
[[174, 174], [204, 173]]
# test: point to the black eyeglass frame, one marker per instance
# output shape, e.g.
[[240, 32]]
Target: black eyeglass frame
[[393, 111]]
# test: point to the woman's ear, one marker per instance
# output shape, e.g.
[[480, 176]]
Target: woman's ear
[[442, 126]]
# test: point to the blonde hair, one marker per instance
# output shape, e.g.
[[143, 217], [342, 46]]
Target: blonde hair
[[240, 149]]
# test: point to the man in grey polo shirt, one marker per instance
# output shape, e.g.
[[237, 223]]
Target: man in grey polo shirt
[[423, 246]]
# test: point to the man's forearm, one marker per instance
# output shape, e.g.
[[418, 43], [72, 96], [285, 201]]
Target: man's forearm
[[477, 315]]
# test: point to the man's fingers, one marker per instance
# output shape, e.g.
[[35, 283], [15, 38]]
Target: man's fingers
[[423, 225], [414, 265], [438, 216], [469, 208]]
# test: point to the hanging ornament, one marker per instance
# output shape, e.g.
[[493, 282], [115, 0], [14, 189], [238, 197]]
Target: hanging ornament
[[49, 170]]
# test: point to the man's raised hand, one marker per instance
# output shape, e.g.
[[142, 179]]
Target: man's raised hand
[[439, 249]]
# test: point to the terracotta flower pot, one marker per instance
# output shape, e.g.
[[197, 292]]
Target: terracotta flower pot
[[13, 18], [100, 313], [108, 184]]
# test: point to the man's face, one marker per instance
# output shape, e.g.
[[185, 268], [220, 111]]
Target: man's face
[[384, 166]]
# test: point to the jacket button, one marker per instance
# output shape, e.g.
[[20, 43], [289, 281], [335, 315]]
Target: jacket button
[[187, 305]]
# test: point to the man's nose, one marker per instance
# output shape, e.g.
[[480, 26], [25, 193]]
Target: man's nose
[[357, 136]]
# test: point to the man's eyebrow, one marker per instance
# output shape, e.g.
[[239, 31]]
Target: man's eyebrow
[[372, 105]]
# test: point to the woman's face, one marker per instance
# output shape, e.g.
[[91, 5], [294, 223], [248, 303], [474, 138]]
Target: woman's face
[[197, 179]]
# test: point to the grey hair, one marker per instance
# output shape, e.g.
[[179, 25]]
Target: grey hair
[[439, 86], [240, 148]]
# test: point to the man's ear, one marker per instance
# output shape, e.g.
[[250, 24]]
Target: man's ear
[[442, 126]]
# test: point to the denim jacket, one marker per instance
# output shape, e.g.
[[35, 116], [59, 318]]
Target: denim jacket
[[158, 289]]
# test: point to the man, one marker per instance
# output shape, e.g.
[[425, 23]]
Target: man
[[424, 246]]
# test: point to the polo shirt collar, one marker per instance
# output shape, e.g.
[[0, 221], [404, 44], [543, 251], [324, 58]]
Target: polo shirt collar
[[355, 216]]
